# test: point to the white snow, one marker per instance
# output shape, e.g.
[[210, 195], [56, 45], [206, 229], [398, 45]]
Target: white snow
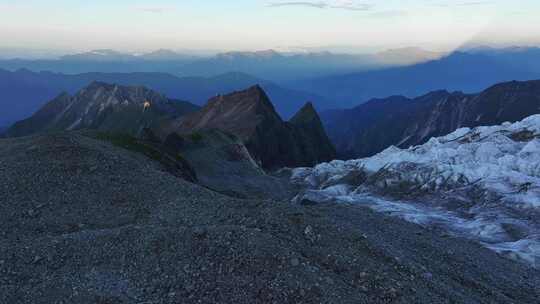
[[505, 174]]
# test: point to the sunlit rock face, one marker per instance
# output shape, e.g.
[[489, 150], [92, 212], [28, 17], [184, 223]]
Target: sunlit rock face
[[481, 183]]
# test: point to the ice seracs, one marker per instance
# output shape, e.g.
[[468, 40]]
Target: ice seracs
[[482, 183]]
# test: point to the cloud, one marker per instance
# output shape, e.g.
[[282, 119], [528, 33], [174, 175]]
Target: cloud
[[335, 4]]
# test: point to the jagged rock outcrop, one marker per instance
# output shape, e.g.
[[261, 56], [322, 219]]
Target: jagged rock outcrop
[[102, 106], [313, 141], [400, 121], [250, 116]]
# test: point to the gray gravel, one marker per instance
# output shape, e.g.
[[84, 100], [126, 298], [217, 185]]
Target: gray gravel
[[82, 221]]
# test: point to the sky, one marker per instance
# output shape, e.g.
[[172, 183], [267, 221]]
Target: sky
[[344, 25]]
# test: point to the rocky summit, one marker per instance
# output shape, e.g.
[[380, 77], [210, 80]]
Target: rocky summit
[[102, 106], [313, 141], [274, 143]]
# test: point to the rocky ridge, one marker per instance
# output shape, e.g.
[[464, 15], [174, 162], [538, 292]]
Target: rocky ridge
[[250, 116], [106, 107]]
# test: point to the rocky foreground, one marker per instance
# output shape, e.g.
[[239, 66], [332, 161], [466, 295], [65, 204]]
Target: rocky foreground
[[82, 221]]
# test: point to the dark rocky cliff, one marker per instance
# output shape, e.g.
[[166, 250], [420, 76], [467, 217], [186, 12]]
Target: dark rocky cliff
[[250, 115], [372, 127]]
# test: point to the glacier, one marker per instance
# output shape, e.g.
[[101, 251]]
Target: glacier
[[481, 183]]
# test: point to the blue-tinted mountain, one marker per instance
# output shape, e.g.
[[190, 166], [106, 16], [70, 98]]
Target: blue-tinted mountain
[[104, 55], [24, 91], [167, 56], [526, 58], [105, 61], [467, 72], [400, 121], [105, 107], [267, 64]]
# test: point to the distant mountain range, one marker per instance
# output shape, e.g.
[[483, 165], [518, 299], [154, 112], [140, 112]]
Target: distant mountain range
[[468, 72], [25, 91], [266, 64], [347, 78], [112, 56], [523, 57], [281, 67], [344, 81], [374, 126]]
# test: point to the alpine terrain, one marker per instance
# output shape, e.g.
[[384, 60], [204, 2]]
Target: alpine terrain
[[251, 116], [404, 122]]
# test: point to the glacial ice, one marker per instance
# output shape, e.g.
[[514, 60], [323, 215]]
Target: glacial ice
[[481, 183]]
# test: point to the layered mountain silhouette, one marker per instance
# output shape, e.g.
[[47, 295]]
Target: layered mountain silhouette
[[247, 115], [464, 71], [371, 127], [329, 80], [266, 64], [24, 91], [111, 56], [102, 106], [250, 116]]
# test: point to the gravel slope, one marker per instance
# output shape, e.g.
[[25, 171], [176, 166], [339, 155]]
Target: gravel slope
[[82, 221]]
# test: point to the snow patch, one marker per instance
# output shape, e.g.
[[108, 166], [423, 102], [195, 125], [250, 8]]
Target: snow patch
[[481, 183]]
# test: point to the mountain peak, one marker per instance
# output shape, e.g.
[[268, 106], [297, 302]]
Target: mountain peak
[[163, 55], [258, 90], [131, 93], [306, 114], [264, 54], [254, 99], [99, 55], [103, 106], [97, 84], [250, 115], [516, 85], [438, 94], [267, 53], [238, 113]]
